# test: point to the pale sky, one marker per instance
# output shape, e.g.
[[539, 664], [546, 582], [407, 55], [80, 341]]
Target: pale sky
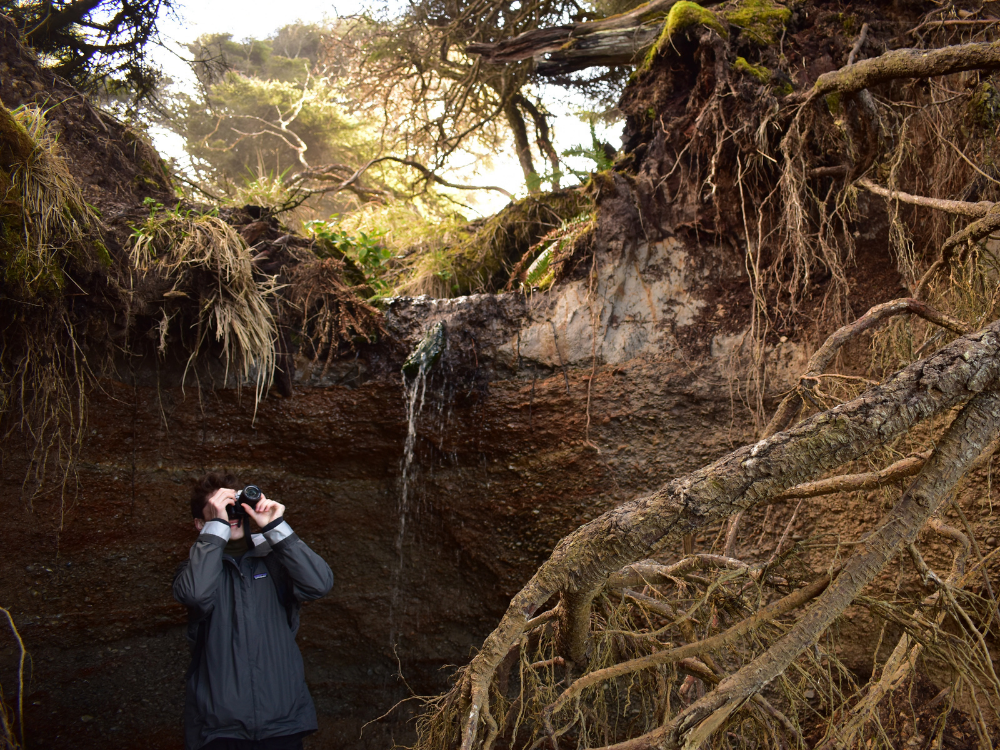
[[260, 18]]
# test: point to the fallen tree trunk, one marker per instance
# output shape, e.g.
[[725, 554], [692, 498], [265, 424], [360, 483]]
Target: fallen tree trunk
[[583, 561], [567, 49], [558, 50]]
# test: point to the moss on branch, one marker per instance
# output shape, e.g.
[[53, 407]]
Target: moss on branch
[[910, 63]]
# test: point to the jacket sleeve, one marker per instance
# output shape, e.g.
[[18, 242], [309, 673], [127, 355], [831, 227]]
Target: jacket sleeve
[[197, 579], [311, 576]]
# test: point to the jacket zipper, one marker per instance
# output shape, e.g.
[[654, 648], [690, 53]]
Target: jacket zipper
[[245, 592]]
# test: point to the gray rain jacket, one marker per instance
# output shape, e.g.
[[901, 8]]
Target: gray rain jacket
[[246, 679]]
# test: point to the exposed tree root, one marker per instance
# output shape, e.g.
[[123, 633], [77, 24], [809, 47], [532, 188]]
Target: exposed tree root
[[11, 727], [767, 614], [816, 149], [907, 467], [961, 444], [971, 234], [582, 563], [791, 405]]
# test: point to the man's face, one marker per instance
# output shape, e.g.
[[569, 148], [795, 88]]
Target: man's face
[[237, 529]]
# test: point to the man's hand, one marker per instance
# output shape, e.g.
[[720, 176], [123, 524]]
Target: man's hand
[[267, 511], [215, 506]]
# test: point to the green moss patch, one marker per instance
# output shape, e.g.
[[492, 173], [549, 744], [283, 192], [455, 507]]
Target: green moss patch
[[683, 15], [759, 72], [761, 21]]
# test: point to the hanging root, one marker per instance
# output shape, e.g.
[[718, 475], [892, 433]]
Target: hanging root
[[48, 234], [326, 310], [12, 723]]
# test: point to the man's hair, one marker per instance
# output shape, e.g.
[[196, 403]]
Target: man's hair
[[205, 487]]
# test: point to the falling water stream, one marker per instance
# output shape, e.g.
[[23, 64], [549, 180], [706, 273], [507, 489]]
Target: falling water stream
[[413, 393], [415, 370]]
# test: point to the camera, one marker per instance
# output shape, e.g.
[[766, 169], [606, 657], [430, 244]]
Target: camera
[[249, 495]]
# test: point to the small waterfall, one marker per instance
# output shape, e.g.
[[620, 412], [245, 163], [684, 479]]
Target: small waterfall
[[414, 376]]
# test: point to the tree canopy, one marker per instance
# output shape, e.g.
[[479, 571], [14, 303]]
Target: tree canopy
[[413, 74], [263, 113], [101, 46]]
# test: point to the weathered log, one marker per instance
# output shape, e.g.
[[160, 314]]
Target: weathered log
[[617, 40], [564, 49]]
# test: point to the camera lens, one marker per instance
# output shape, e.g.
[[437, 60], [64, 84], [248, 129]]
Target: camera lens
[[251, 494]]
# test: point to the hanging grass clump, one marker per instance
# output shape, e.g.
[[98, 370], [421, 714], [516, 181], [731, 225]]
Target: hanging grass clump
[[47, 231], [207, 260]]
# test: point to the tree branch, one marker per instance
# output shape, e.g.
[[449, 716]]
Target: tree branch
[[909, 63], [962, 208], [427, 173], [903, 468]]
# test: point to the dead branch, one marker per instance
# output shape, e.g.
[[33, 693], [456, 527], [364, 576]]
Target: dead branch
[[952, 22], [962, 208], [858, 45], [877, 315], [428, 174], [969, 235], [652, 572], [907, 467], [791, 405], [909, 63]]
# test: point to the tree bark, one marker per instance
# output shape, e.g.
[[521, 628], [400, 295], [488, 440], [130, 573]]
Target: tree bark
[[617, 40], [910, 63]]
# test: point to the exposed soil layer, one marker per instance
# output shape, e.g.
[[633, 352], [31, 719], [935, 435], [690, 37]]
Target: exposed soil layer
[[500, 475], [501, 472]]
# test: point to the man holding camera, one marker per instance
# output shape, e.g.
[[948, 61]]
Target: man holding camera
[[246, 687]]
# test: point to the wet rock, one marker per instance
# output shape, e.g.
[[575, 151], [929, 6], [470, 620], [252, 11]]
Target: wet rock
[[427, 353]]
